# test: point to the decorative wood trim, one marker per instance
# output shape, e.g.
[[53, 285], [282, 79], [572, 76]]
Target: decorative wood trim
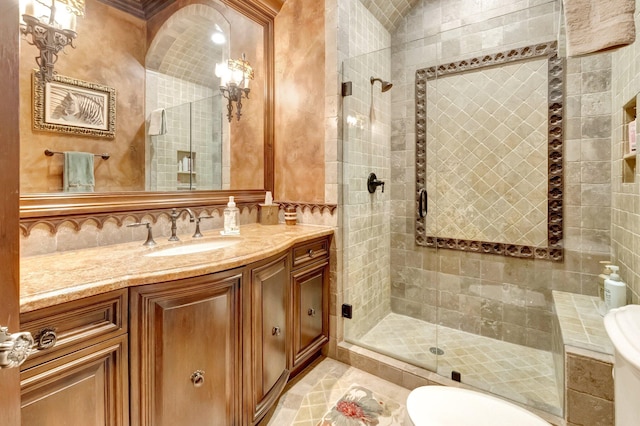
[[53, 210], [554, 249], [146, 9], [9, 190], [331, 208]]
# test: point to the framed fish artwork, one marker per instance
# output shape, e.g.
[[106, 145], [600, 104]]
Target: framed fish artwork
[[69, 105]]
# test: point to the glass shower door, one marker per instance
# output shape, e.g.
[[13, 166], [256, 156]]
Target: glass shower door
[[488, 133], [384, 279]]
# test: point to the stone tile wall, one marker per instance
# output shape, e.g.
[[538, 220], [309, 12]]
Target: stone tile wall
[[625, 200], [191, 127], [589, 391]]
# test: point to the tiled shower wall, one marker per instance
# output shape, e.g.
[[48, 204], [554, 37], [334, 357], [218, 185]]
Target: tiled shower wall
[[495, 296], [487, 154], [365, 150], [625, 214], [193, 124]]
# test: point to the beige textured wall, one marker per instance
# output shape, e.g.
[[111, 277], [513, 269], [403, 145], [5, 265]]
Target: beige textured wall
[[110, 50], [300, 102]]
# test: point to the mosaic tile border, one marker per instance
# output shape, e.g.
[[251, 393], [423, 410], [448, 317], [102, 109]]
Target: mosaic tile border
[[331, 208], [553, 251]]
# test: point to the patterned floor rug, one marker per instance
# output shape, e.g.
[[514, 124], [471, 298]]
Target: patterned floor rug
[[360, 407]]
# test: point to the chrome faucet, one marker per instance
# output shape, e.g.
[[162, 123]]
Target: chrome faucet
[[175, 214]]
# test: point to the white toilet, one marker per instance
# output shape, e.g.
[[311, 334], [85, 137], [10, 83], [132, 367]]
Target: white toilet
[[623, 328], [449, 406]]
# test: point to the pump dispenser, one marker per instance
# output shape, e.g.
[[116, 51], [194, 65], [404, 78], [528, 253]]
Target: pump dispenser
[[606, 272], [615, 291], [231, 219]]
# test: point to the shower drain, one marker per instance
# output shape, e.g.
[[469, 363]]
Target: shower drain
[[436, 351]]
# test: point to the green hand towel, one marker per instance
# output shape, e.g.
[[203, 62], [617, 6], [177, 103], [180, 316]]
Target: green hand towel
[[77, 175]]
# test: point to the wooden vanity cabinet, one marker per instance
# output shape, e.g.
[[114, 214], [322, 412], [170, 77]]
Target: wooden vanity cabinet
[[186, 351], [216, 349], [78, 372], [310, 307], [268, 329]]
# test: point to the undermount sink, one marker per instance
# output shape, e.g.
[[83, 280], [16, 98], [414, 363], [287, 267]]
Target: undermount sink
[[192, 248]]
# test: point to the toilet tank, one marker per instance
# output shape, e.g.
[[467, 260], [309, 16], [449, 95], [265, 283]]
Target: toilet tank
[[623, 328]]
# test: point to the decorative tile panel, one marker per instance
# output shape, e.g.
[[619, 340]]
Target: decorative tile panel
[[495, 174]]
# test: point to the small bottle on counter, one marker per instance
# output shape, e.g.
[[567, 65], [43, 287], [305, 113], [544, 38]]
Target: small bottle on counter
[[231, 219]]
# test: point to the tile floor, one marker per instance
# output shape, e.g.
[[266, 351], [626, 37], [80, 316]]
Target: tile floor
[[519, 373], [308, 398]]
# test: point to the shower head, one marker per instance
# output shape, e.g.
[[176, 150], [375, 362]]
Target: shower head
[[385, 84]]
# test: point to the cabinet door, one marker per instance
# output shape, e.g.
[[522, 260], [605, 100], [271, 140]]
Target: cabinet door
[[270, 298], [186, 351], [310, 316], [88, 387]]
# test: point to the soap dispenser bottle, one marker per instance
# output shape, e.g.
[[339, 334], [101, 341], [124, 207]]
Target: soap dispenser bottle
[[602, 306], [615, 291], [231, 218]]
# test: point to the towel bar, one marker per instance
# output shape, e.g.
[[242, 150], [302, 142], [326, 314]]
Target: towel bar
[[50, 153]]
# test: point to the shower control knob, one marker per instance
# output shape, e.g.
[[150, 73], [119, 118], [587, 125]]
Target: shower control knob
[[373, 183]]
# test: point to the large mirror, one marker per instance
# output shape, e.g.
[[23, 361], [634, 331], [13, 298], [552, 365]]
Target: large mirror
[[162, 63]]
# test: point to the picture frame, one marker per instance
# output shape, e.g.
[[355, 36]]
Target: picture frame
[[69, 105]]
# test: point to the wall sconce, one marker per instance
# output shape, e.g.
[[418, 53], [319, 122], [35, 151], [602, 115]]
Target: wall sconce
[[234, 75], [50, 27]]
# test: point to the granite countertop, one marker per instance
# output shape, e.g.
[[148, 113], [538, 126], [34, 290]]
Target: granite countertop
[[51, 279], [580, 321]]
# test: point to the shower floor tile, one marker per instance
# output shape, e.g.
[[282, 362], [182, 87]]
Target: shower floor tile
[[519, 373]]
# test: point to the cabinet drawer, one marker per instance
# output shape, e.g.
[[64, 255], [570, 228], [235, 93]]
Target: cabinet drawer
[[88, 387], [85, 321], [310, 252], [310, 313]]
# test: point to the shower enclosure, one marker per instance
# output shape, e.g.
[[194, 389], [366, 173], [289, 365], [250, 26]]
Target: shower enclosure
[[470, 137], [191, 154]]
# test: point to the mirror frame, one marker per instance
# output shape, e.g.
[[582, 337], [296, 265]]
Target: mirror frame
[[58, 207]]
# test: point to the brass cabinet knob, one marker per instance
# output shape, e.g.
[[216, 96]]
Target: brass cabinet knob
[[310, 253], [311, 312], [276, 331], [197, 378], [46, 338]]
